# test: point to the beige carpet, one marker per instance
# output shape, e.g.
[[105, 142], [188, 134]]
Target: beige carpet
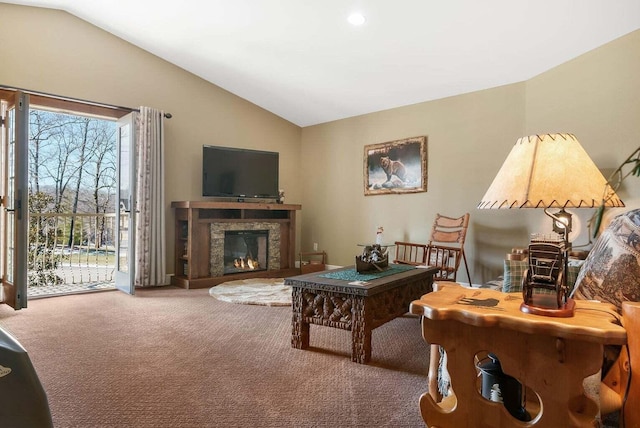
[[254, 291], [174, 358]]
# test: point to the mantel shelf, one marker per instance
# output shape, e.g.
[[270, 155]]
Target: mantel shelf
[[235, 205]]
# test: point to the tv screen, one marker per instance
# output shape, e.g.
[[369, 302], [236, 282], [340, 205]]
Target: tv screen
[[239, 173]]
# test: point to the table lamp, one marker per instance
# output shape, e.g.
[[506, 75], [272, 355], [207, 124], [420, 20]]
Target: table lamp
[[550, 171]]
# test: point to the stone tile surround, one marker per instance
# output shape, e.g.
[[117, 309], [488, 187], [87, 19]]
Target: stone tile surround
[[217, 243]]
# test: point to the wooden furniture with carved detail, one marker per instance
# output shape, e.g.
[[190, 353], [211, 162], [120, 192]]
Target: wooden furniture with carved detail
[[445, 249], [548, 355], [359, 308], [193, 220], [446, 246], [620, 389]]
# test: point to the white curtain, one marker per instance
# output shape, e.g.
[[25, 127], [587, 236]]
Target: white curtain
[[150, 226]]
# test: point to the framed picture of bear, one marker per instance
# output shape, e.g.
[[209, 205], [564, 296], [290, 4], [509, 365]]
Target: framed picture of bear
[[396, 167]]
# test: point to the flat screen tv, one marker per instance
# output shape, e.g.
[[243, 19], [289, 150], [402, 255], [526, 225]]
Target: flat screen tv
[[239, 173]]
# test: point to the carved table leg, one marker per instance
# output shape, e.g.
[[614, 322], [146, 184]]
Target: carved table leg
[[300, 328], [361, 328]]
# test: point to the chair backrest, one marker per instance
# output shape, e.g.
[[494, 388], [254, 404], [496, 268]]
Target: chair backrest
[[410, 253], [449, 230], [446, 246]]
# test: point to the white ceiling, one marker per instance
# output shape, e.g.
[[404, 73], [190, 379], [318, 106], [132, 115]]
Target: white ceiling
[[303, 61]]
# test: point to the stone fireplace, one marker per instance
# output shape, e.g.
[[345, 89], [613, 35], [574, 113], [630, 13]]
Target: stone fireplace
[[244, 247], [199, 249]]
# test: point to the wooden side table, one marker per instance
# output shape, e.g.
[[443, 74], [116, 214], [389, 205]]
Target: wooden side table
[[551, 356]]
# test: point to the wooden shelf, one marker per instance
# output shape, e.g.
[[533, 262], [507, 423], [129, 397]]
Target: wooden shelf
[[243, 206], [193, 221]]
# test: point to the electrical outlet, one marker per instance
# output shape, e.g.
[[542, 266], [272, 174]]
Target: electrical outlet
[[315, 246]]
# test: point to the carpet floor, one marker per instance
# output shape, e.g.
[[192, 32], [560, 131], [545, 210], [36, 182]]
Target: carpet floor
[[176, 358]]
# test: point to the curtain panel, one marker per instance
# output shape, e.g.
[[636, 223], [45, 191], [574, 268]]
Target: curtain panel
[[150, 222]]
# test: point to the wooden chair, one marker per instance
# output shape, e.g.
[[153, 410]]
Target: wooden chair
[[410, 253], [446, 246], [445, 249]]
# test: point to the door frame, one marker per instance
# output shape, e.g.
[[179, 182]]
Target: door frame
[[15, 199]]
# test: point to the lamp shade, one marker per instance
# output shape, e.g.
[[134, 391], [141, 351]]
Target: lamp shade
[[549, 171]]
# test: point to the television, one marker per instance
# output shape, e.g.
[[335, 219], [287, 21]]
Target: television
[[239, 173]]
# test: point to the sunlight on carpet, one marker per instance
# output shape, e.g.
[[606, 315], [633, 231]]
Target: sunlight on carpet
[[254, 291]]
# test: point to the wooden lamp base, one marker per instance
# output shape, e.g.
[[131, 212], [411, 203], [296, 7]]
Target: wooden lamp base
[[546, 305]]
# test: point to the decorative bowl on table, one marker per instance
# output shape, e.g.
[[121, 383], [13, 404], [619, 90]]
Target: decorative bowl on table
[[373, 258]]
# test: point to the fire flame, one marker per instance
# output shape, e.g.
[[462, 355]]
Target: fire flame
[[248, 264]]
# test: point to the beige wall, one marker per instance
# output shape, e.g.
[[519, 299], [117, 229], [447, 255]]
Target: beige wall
[[594, 96], [466, 137], [60, 54]]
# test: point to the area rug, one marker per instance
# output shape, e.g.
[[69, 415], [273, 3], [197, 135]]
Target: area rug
[[254, 291]]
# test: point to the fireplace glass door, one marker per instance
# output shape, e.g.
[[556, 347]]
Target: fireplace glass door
[[245, 250]]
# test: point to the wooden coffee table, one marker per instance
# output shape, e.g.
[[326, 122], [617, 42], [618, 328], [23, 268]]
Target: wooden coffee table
[[336, 303]]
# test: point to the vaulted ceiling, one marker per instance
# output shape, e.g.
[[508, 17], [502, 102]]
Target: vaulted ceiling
[[303, 61]]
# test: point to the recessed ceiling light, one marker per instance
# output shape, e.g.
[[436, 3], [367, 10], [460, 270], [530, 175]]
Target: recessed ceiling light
[[356, 19]]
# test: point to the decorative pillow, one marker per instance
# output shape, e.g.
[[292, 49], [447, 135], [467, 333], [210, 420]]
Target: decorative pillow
[[514, 272], [611, 271], [575, 266]]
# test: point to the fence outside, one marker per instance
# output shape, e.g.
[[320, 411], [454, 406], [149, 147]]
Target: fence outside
[[70, 252]]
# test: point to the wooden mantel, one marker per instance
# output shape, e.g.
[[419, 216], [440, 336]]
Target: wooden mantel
[[245, 206], [193, 221]]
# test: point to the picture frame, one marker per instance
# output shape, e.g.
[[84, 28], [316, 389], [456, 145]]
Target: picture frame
[[396, 167]]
